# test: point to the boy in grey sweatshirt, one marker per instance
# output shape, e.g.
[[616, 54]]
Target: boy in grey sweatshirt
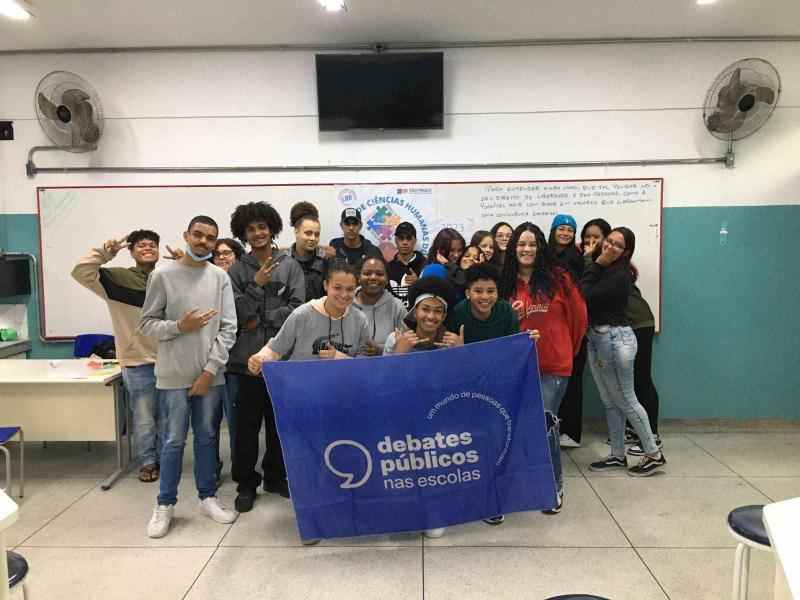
[[189, 310]]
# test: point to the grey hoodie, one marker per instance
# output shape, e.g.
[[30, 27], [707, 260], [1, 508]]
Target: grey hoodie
[[383, 317], [262, 311], [309, 328]]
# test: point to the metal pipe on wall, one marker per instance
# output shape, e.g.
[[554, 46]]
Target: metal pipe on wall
[[32, 170]]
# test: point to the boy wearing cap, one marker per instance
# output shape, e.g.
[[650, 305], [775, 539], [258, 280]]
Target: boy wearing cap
[[353, 247], [406, 266]]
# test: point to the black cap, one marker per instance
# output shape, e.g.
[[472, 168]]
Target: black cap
[[406, 229], [351, 213]]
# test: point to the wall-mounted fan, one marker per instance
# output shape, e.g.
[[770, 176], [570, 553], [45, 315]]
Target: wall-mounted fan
[[741, 99], [69, 111]]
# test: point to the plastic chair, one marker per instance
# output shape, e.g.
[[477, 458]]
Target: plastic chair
[[6, 433], [85, 343], [746, 525]]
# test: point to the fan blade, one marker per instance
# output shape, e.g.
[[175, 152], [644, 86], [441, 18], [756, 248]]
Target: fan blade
[[729, 93], [48, 109], [73, 97], [721, 122], [764, 94], [82, 114]]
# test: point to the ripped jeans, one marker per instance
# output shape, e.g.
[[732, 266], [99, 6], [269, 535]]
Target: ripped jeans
[[553, 389]]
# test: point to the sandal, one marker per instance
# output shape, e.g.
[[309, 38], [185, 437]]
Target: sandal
[[149, 473]]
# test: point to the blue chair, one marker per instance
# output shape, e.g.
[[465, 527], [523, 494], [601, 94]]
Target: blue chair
[[6, 433], [746, 525], [85, 343]]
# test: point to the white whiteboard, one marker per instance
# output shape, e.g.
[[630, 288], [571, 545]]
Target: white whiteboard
[[73, 220]]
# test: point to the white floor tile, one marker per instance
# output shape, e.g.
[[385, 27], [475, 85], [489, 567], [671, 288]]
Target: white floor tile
[[311, 573], [755, 454], [514, 573], [681, 512]]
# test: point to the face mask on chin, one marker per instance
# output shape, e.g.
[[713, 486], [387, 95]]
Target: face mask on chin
[[194, 256]]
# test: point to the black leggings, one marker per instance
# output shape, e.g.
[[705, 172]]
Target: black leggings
[[571, 411], [643, 384]]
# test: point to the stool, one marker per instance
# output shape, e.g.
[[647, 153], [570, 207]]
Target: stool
[[577, 597], [6, 433], [747, 527], [17, 570]]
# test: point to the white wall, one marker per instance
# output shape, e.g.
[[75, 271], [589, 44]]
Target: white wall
[[503, 105]]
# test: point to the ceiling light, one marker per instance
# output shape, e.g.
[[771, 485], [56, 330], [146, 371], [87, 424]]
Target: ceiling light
[[704, 2], [333, 5], [16, 9]]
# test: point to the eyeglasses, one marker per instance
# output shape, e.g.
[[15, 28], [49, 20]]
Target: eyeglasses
[[616, 245], [225, 254]]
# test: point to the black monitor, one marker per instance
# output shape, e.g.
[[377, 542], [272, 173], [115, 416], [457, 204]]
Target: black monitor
[[15, 277], [380, 91]]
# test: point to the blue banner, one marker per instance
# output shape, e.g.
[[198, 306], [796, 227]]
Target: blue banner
[[413, 441]]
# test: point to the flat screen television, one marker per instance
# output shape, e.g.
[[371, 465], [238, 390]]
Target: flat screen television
[[15, 277], [380, 91]]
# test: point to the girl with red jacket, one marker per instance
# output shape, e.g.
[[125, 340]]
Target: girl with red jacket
[[546, 298]]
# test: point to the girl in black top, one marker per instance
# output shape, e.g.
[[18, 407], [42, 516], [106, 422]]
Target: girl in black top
[[606, 286]]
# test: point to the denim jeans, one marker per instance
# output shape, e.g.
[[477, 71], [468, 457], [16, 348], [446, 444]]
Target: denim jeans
[[553, 388], [140, 384], [205, 414], [612, 351], [229, 409]]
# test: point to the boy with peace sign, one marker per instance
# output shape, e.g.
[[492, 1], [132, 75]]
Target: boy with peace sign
[[268, 284], [123, 290]]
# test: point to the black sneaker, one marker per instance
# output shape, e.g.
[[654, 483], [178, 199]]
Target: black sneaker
[[637, 450], [244, 501], [280, 487], [609, 464], [647, 466], [498, 520], [557, 508]]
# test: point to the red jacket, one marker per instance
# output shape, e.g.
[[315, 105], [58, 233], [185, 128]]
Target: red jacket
[[561, 321]]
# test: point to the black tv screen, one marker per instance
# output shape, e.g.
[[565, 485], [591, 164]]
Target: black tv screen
[[380, 91], [15, 277]]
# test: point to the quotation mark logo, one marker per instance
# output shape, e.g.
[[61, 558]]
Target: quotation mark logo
[[348, 477]]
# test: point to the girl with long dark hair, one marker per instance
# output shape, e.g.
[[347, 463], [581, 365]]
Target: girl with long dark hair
[[546, 299], [571, 411], [501, 232], [611, 343]]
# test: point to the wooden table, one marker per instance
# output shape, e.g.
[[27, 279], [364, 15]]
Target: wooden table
[[782, 520], [65, 401]]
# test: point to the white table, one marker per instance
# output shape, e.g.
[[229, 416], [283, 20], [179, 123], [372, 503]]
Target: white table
[[782, 520], [65, 401]]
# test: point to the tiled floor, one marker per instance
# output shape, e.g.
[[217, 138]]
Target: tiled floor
[[618, 537]]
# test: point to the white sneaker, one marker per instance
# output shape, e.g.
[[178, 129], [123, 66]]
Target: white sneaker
[[212, 508], [567, 442], [434, 533], [160, 521]]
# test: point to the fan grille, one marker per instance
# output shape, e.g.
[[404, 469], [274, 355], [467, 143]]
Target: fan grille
[[741, 99], [75, 124]]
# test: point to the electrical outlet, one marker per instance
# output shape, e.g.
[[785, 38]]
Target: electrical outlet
[[6, 131]]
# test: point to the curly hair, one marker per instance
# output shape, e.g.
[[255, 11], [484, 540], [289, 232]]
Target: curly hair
[[255, 212], [235, 246], [547, 276], [138, 235], [303, 210]]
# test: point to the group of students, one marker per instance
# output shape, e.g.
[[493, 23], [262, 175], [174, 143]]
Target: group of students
[[192, 334]]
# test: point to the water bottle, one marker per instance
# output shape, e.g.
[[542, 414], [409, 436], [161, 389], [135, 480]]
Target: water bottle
[[723, 234]]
